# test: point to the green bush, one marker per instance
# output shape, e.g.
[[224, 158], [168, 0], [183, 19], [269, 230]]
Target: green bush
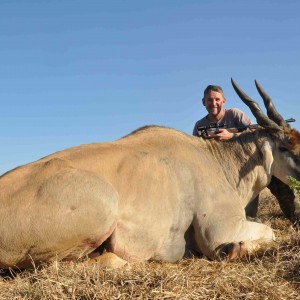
[[294, 185]]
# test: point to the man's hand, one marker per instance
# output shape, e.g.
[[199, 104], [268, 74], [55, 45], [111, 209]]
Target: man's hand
[[220, 134]]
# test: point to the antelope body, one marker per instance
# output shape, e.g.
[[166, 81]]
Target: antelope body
[[153, 194]]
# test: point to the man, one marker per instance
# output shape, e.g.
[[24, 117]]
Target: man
[[214, 101]]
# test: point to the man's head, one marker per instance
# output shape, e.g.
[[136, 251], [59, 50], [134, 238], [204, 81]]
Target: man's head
[[214, 101]]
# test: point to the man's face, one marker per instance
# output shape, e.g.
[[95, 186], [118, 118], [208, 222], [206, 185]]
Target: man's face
[[214, 102]]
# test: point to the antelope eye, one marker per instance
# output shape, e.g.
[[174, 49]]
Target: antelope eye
[[283, 149]]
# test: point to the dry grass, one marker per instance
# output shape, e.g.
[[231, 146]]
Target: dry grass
[[275, 275]]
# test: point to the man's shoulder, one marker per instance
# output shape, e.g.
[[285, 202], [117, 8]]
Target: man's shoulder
[[235, 111], [240, 117], [201, 122]]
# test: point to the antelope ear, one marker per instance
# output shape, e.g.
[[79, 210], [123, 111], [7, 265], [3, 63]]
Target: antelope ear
[[266, 150]]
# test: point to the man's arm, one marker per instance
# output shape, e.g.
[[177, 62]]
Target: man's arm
[[241, 121]]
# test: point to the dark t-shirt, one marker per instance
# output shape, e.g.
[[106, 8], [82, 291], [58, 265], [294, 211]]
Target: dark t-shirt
[[233, 117]]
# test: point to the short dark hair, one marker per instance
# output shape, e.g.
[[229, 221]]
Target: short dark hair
[[215, 88]]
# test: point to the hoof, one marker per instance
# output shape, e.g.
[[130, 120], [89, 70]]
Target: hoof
[[236, 250]]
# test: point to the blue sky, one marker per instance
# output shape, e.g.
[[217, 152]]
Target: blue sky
[[78, 71]]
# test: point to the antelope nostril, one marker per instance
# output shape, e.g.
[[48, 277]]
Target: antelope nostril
[[283, 149]]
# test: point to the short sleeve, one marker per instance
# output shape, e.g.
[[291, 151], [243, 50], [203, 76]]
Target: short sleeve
[[241, 119]]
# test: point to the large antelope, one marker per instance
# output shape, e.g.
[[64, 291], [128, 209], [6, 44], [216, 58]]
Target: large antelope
[[148, 195]]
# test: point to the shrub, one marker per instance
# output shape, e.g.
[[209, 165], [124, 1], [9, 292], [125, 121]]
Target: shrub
[[294, 185]]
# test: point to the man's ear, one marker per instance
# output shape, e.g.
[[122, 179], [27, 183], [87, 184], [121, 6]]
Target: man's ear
[[203, 101], [224, 100], [266, 150]]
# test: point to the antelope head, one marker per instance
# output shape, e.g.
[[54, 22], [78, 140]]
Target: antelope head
[[281, 152]]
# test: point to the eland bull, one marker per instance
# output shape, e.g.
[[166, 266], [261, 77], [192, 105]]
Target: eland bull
[[150, 195]]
